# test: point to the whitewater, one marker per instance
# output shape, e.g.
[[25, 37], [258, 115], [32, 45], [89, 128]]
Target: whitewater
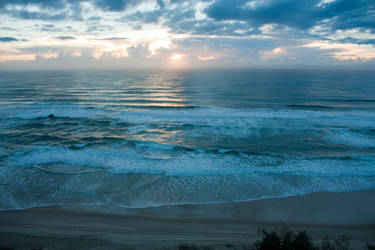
[[150, 138]]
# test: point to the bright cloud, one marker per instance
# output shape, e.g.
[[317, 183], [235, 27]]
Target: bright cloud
[[77, 53], [177, 56], [49, 55], [17, 57], [345, 51], [207, 58], [7, 54], [272, 54], [158, 44]]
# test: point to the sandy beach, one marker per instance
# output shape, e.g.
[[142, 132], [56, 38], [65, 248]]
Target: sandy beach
[[320, 214]]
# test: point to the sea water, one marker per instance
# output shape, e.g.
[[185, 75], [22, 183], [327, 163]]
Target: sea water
[[151, 138]]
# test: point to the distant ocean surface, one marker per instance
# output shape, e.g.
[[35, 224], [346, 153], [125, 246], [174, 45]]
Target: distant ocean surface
[[151, 138]]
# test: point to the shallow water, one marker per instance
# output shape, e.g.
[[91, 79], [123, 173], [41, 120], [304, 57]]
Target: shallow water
[[148, 138]]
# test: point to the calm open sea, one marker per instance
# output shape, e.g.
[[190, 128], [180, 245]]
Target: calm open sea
[[149, 138]]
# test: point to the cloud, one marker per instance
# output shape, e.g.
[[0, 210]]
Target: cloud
[[99, 27], [113, 38], [65, 37], [161, 4], [185, 22], [347, 14], [286, 12], [8, 39], [49, 55], [37, 15], [48, 27], [177, 56], [52, 10], [114, 5], [357, 41], [298, 14], [112, 51], [137, 27], [158, 44], [181, 15], [272, 54], [21, 57], [236, 32], [345, 51], [43, 3], [146, 17], [77, 53], [207, 58], [9, 54]]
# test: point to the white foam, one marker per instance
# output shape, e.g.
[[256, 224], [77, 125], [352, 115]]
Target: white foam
[[350, 138], [129, 161], [138, 177], [67, 176], [257, 118], [210, 121], [204, 116], [155, 158]]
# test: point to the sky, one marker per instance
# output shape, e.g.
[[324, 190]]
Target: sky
[[116, 34]]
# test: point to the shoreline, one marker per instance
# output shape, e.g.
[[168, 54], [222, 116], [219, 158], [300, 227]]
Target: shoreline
[[320, 214]]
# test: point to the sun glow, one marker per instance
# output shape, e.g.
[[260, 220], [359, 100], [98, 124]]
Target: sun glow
[[178, 61], [177, 56]]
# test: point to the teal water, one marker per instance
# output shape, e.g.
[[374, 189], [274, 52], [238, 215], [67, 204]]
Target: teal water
[[148, 138]]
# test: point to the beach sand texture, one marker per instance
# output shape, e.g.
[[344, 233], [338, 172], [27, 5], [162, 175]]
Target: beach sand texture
[[320, 214]]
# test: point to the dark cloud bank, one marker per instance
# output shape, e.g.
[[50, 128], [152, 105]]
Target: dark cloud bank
[[339, 14]]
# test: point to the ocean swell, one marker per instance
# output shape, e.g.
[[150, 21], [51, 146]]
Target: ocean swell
[[72, 154]]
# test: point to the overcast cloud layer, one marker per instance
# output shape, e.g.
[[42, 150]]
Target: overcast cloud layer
[[177, 33]]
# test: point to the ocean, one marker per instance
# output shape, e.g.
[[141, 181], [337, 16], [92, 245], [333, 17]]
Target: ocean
[[152, 138]]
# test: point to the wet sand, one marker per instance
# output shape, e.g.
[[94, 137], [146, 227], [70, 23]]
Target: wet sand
[[320, 214]]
